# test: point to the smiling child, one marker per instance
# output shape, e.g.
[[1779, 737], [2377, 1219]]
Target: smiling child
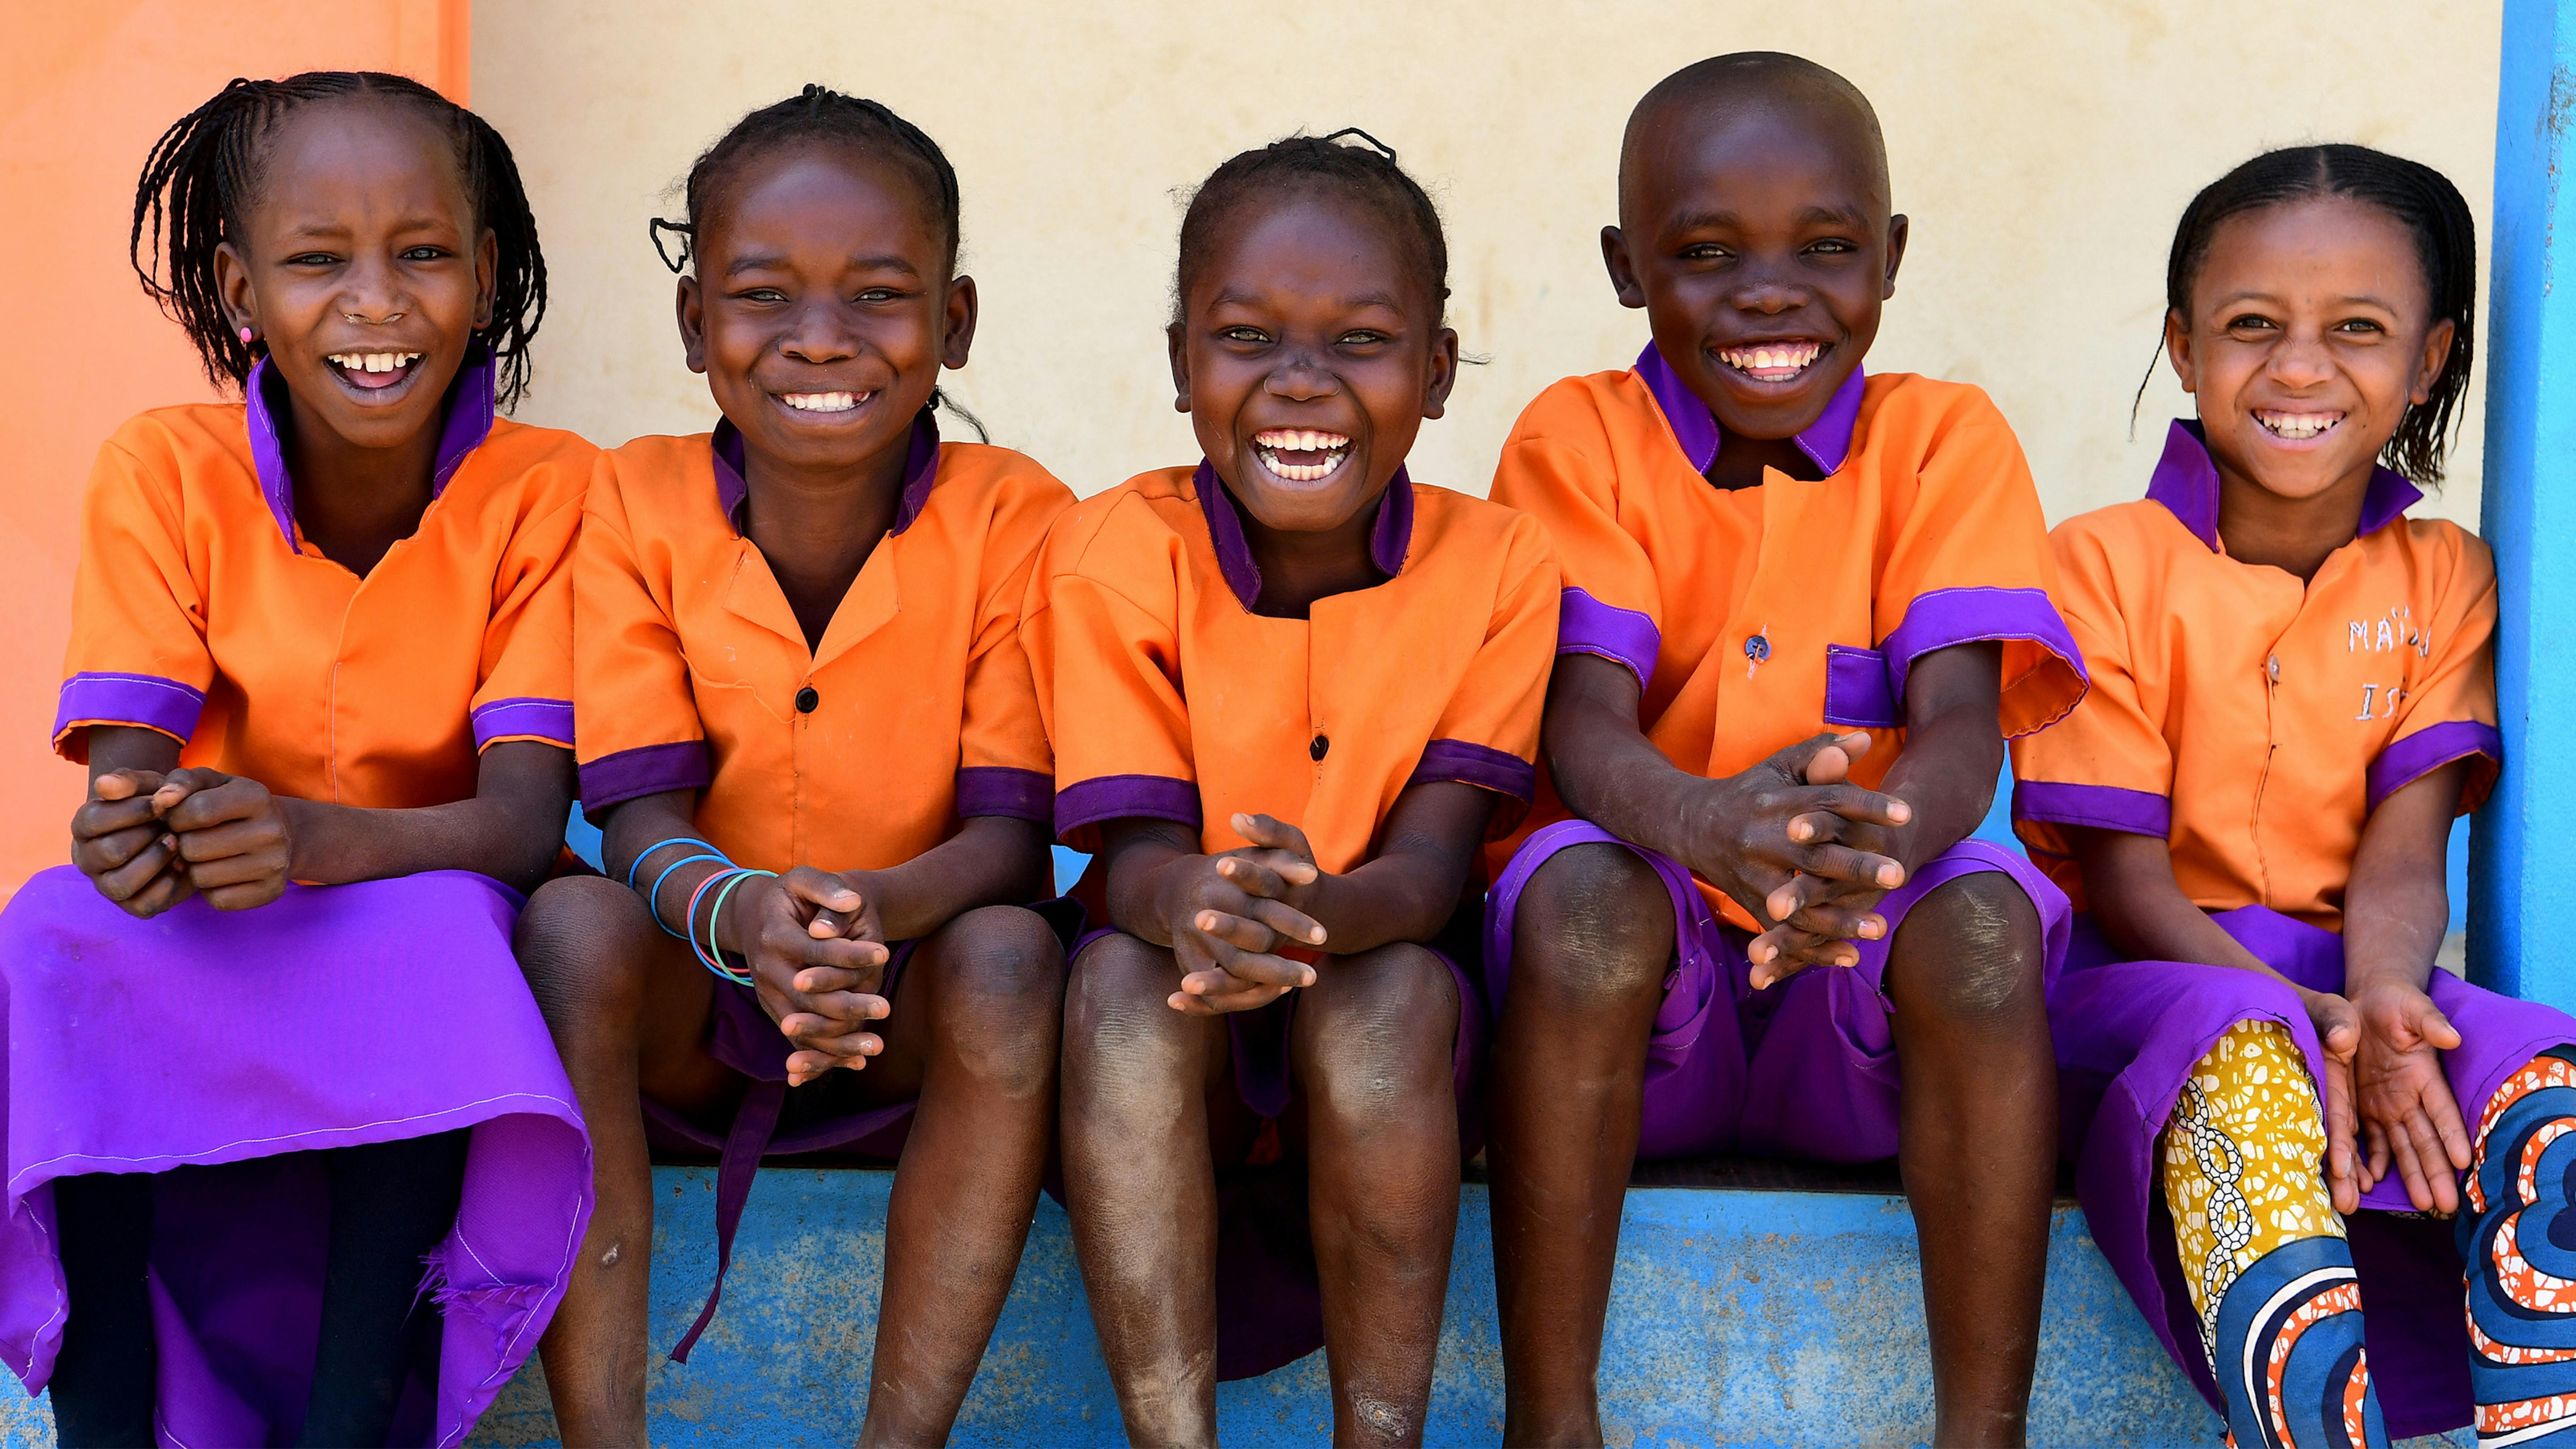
[[2292, 700], [807, 732], [1717, 939], [1291, 691], [321, 674]]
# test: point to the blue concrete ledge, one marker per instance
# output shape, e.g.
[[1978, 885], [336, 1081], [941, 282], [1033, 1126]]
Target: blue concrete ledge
[[1741, 1317]]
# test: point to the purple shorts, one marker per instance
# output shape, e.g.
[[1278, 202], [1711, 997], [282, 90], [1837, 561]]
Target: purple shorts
[[1269, 1296], [2129, 1032], [1805, 1068]]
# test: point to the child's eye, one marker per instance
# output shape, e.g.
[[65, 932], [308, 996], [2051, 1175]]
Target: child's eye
[[423, 253], [879, 294], [1704, 252], [1834, 246], [2359, 324], [1359, 337], [761, 294], [311, 259], [2251, 322], [1249, 335]]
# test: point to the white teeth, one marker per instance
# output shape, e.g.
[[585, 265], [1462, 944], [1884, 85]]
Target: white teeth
[[2297, 427], [1784, 360], [372, 361], [1269, 443], [823, 402]]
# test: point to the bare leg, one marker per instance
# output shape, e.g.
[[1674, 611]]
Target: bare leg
[[1977, 1143], [618, 995], [1372, 1049], [976, 1028], [1592, 940], [1141, 1185]]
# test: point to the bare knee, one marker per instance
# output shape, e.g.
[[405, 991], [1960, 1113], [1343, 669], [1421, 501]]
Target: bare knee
[[580, 943], [1118, 1025], [1001, 996], [1594, 928], [1970, 951], [1377, 1030]]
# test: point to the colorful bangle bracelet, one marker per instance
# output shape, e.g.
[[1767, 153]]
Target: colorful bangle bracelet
[[636, 866], [714, 957], [653, 897]]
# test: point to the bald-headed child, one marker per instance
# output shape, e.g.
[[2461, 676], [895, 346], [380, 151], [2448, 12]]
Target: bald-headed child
[[1803, 609]]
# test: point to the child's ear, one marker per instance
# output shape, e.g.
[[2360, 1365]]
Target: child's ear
[[1898, 228], [1444, 373], [487, 271], [2178, 350], [1178, 337], [1623, 269], [232, 287], [960, 321], [693, 323], [2428, 368]]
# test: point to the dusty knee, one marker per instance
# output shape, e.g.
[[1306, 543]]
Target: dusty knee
[[1002, 994], [1116, 1018], [1377, 1029], [579, 943], [1594, 926], [1970, 950]]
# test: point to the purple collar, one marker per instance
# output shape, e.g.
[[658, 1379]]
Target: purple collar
[[1390, 538], [920, 471], [2186, 483], [469, 422], [1827, 441]]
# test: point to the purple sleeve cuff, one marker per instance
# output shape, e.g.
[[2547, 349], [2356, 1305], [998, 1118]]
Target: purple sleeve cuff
[[2100, 807], [1486, 768], [147, 700], [1086, 803], [2428, 749], [1943, 617], [1000, 790], [646, 770], [545, 719], [1585, 625]]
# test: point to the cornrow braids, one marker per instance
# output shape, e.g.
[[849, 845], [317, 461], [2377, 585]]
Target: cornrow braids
[[206, 170], [1367, 171], [817, 114], [2418, 198]]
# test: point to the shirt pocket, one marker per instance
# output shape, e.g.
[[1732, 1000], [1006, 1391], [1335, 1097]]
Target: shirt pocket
[[1856, 689]]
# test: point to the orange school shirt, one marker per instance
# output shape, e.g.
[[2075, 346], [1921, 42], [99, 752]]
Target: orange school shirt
[[693, 674], [2251, 721], [1169, 699], [201, 611], [1757, 617]]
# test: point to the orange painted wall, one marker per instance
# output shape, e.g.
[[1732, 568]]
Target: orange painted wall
[[84, 89]]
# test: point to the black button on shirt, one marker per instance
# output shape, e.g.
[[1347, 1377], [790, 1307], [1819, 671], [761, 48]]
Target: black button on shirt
[[1318, 748], [806, 699]]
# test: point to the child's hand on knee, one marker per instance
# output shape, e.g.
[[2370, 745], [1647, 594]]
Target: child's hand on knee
[[2407, 1112], [119, 842], [2338, 1030], [1801, 847], [818, 956], [1238, 914]]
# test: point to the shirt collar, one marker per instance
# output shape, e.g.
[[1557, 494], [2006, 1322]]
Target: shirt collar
[[920, 471], [468, 423], [1826, 442], [1390, 538], [2186, 483]]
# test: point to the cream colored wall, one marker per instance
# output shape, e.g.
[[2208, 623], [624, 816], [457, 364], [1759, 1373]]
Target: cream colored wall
[[2043, 150]]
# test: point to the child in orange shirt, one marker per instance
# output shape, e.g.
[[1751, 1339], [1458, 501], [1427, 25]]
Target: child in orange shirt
[[1290, 691], [320, 672], [1762, 548], [798, 650], [2292, 700]]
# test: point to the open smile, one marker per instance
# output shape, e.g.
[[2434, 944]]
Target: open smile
[[378, 374], [1782, 361], [823, 407], [1300, 455], [2297, 427]]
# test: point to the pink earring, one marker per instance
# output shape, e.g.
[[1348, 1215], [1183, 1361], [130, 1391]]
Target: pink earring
[[245, 337]]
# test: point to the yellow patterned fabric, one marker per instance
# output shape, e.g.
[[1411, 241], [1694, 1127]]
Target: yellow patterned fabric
[[2242, 1157]]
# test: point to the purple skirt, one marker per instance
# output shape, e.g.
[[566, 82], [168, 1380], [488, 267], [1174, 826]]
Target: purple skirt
[[2128, 1034], [334, 1017], [1805, 1068]]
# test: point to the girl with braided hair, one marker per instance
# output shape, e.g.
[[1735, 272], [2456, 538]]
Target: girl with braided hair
[[269, 1051]]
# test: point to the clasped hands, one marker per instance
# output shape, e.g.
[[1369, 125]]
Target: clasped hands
[[1799, 846], [149, 840], [815, 944]]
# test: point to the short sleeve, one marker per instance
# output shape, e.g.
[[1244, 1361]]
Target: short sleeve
[[138, 651], [527, 687], [1970, 563], [637, 728], [2450, 712], [1611, 605], [1005, 766], [2107, 764], [1104, 654], [1488, 734]]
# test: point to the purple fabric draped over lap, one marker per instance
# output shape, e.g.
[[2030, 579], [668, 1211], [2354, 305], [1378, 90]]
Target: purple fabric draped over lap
[[1804, 1068], [334, 1017], [2128, 1034]]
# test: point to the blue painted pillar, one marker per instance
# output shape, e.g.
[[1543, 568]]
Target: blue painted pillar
[[2519, 942]]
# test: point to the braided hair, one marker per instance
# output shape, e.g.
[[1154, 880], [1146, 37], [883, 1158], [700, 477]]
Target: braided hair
[[206, 170], [817, 114], [1367, 172], [2418, 198]]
